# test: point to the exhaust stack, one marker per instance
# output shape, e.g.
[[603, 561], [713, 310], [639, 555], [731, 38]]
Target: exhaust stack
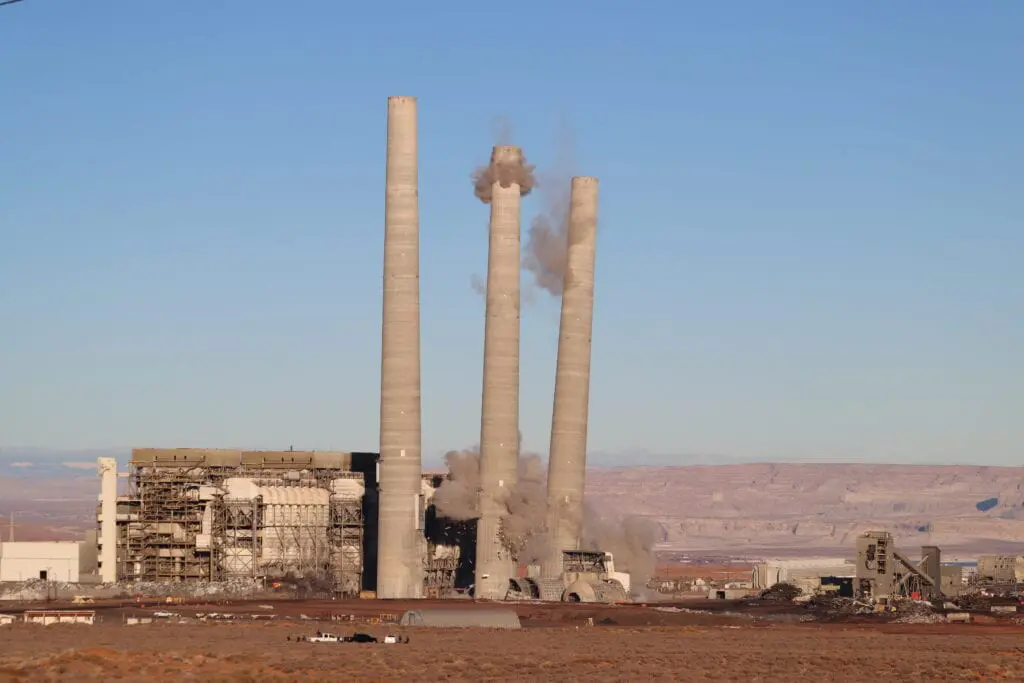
[[108, 519], [400, 546], [501, 185], [567, 459]]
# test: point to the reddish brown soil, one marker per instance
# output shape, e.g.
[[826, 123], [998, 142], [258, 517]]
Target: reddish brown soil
[[556, 644]]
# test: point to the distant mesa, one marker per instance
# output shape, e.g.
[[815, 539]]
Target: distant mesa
[[987, 504]]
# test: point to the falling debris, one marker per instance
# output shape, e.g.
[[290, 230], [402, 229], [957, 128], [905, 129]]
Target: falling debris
[[504, 173], [458, 499]]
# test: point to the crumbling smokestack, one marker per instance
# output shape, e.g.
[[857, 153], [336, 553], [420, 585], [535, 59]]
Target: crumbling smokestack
[[501, 184], [400, 538], [567, 459]]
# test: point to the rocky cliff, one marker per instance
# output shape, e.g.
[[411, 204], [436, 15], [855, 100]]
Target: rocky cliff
[[812, 507]]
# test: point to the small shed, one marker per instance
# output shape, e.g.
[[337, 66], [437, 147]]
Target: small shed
[[47, 617], [462, 618]]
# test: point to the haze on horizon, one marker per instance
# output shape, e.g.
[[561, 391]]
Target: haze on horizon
[[810, 242]]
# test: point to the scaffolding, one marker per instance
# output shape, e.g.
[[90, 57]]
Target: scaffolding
[[345, 535], [296, 515], [170, 519], [235, 539], [295, 540]]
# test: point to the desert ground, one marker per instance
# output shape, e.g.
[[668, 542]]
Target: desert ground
[[626, 643]]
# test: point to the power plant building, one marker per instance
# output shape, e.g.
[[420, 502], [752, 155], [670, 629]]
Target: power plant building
[[358, 521], [213, 514], [193, 515]]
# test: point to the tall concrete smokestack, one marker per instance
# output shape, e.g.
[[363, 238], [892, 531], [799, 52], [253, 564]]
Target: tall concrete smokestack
[[501, 184], [400, 544], [108, 519], [567, 461]]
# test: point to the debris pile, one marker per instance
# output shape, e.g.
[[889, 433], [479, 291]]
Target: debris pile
[[831, 605], [973, 601], [36, 589], [152, 589], [917, 612], [782, 592]]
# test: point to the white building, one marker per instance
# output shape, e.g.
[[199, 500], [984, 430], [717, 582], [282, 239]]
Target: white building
[[796, 571], [68, 561], [48, 617]]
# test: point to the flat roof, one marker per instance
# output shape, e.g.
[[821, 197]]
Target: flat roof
[[226, 457]]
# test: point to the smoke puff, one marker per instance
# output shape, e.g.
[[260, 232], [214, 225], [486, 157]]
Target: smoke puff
[[631, 541], [546, 254], [522, 525], [458, 496], [505, 174]]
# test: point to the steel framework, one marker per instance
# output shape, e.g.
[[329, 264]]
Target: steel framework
[[345, 535], [180, 523], [170, 518], [235, 539]]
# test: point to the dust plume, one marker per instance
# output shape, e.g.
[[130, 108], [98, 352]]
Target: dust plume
[[527, 506], [523, 523], [546, 252], [504, 173], [631, 541], [456, 498]]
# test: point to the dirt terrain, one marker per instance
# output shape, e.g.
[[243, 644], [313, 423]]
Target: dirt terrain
[[626, 643]]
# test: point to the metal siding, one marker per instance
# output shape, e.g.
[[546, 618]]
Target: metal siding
[[462, 618]]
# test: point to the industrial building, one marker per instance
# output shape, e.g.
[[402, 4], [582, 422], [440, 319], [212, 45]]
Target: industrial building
[[353, 522], [216, 514], [67, 561], [1001, 569], [879, 572], [883, 572], [193, 514], [804, 573]]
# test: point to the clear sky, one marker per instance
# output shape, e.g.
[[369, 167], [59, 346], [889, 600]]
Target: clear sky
[[812, 221]]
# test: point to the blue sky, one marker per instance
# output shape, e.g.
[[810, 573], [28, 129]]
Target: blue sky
[[811, 221]]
